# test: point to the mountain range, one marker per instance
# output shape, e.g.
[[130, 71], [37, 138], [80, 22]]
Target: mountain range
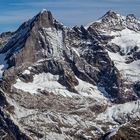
[[79, 83]]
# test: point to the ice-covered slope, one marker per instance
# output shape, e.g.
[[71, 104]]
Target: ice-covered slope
[[127, 60], [119, 113], [49, 83], [120, 35]]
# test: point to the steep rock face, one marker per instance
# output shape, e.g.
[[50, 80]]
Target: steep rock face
[[62, 51], [96, 66], [26, 40], [27, 45]]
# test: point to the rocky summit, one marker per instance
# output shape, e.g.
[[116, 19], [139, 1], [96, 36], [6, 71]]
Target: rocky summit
[[80, 83]]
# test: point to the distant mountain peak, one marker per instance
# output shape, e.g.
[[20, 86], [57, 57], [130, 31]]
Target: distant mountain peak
[[131, 16], [112, 21], [111, 13]]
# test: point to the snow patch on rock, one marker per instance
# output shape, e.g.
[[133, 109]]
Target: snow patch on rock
[[26, 72], [55, 38], [126, 39], [121, 112]]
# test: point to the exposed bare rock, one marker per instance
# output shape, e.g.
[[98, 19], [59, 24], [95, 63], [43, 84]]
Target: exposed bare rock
[[129, 131]]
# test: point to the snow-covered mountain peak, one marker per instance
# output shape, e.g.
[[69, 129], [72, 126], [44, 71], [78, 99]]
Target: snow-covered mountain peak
[[108, 17], [121, 37], [113, 21], [110, 21], [112, 15], [44, 19]]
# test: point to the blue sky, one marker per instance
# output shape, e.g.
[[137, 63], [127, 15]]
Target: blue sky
[[69, 12]]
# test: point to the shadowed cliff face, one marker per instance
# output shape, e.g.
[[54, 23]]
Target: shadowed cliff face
[[70, 83]]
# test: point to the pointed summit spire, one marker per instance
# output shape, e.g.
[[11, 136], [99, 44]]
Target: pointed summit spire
[[131, 17], [44, 18], [111, 14], [110, 11]]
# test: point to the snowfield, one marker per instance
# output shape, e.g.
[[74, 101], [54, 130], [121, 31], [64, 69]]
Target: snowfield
[[49, 82], [121, 112], [131, 71], [126, 39]]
